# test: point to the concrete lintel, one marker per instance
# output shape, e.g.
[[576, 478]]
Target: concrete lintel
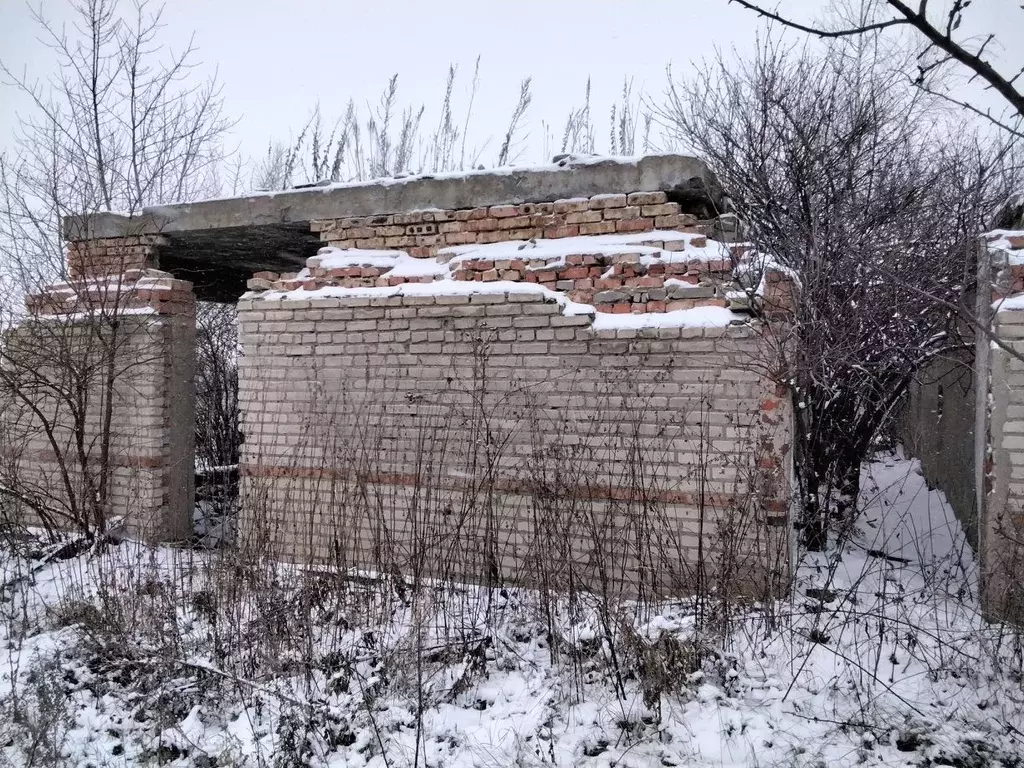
[[572, 177]]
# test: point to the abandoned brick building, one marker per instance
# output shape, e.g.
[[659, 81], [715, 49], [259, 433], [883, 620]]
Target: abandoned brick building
[[522, 374]]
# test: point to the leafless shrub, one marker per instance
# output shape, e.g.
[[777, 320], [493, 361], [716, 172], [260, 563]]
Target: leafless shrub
[[218, 437], [578, 136], [121, 126], [38, 723], [385, 143], [838, 178], [66, 379]]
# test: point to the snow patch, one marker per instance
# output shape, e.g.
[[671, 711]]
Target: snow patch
[[704, 317], [627, 242], [999, 240], [880, 657], [695, 317], [398, 263], [1013, 303]]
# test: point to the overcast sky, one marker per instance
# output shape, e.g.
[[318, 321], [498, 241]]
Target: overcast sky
[[276, 59]]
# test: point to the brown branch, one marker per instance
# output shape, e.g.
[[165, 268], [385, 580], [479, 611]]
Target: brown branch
[[1017, 132], [973, 321], [943, 41], [972, 61], [852, 32]]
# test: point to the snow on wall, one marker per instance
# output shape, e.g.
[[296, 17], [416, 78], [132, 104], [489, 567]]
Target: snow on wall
[[623, 253]]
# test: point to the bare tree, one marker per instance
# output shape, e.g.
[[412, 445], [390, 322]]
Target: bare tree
[[120, 126], [217, 434], [942, 43], [838, 173]]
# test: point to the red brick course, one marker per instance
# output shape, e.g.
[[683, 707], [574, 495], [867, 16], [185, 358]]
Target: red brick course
[[113, 295], [111, 256], [601, 214]]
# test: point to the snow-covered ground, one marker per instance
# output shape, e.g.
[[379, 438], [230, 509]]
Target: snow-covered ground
[[880, 657]]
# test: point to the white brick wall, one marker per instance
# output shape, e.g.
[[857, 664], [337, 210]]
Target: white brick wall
[[489, 436], [1002, 522], [151, 435]]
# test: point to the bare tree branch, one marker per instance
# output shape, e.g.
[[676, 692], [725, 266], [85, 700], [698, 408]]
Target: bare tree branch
[[825, 33], [120, 126], [938, 39]]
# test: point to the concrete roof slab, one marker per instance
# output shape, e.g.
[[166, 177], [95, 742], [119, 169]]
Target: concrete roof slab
[[219, 243]]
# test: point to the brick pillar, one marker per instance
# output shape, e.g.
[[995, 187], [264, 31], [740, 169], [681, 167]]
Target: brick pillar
[[999, 448], [148, 319]]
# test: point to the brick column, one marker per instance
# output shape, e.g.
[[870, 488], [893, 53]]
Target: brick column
[[999, 451], [148, 319]]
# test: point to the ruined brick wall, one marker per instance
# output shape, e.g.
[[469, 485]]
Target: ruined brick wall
[[613, 280], [937, 427], [1000, 449], [112, 256], [129, 337], [492, 436], [416, 404], [422, 233], [437, 393]]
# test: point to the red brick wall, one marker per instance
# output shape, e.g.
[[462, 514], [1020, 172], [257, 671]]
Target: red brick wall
[[618, 282], [111, 256], [423, 233]]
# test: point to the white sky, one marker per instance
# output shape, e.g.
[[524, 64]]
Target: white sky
[[276, 59]]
